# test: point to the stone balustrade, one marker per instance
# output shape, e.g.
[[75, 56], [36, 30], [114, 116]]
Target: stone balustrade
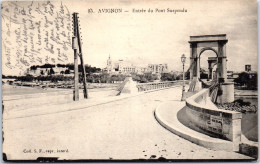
[[156, 85], [206, 118]]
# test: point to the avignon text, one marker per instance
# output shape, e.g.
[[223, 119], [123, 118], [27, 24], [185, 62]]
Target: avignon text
[[116, 10]]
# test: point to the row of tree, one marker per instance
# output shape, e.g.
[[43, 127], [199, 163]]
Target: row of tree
[[106, 78], [174, 76], [100, 77], [51, 72], [88, 68], [34, 67], [144, 78], [246, 81], [91, 77], [52, 78]]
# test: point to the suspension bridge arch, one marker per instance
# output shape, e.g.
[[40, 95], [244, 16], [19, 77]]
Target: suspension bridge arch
[[201, 43], [217, 44]]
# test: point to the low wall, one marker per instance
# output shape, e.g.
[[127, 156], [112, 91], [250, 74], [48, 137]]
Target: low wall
[[205, 117], [157, 85]]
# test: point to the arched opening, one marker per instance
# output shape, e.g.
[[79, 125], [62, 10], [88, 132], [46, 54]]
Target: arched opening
[[208, 64], [214, 72], [217, 46]]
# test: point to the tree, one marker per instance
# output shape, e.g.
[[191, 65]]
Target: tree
[[42, 73], [104, 78], [243, 79], [253, 82], [67, 71], [25, 78], [150, 77], [113, 78], [47, 66], [136, 78], [96, 78], [121, 77], [90, 78], [179, 77], [33, 67], [167, 77], [143, 80], [52, 71]]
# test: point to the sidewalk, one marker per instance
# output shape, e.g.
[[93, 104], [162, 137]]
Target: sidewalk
[[167, 116]]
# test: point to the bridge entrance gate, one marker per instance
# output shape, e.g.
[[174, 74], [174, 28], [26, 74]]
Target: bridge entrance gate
[[216, 43]]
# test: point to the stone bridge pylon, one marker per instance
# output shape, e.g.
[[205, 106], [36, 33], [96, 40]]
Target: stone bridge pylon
[[217, 44]]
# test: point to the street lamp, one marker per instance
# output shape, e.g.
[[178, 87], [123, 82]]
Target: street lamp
[[183, 59]]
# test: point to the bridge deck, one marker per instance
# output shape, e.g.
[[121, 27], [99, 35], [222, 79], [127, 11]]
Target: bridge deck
[[123, 129]]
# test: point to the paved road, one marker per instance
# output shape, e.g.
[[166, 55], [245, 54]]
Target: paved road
[[124, 129]]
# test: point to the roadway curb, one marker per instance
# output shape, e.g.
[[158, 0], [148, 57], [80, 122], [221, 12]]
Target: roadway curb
[[181, 130]]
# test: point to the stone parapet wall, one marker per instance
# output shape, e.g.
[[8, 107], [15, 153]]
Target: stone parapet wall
[[206, 117]]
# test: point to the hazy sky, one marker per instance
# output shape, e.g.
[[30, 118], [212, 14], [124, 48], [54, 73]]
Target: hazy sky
[[144, 38], [163, 37]]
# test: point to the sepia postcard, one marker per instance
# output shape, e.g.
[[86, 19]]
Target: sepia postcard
[[129, 80]]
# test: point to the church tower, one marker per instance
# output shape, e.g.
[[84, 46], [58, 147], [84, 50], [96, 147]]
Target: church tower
[[109, 65]]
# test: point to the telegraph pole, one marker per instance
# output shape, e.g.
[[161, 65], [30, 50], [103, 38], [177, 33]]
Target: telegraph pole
[[78, 52], [76, 71]]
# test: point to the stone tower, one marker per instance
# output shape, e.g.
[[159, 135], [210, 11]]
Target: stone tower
[[109, 64]]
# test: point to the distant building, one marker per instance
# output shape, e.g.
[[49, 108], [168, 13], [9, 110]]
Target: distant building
[[46, 71], [59, 70], [38, 71], [125, 67], [120, 66], [109, 67], [114, 67], [142, 70], [158, 68], [248, 68]]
